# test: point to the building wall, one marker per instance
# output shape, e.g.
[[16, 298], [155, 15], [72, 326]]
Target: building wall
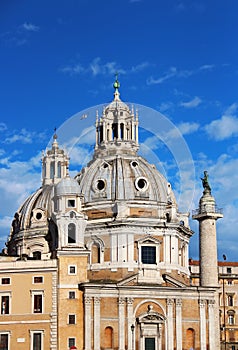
[[228, 301], [20, 321]]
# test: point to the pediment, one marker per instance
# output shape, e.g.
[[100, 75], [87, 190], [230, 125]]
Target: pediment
[[148, 240]]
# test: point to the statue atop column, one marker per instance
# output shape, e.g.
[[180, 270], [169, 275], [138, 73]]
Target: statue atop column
[[205, 183]]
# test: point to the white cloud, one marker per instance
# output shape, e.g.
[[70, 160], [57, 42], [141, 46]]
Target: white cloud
[[24, 136], [188, 128], [96, 67], [139, 67], [174, 72], [3, 127], [73, 70], [196, 101], [171, 73], [110, 68], [226, 126], [207, 67], [80, 156], [165, 106], [30, 27]]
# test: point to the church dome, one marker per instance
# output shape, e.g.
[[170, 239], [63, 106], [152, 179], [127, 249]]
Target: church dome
[[36, 208], [125, 178], [67, 186], [117, 172]]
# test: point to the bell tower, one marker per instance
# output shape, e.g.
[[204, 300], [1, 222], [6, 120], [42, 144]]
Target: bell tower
[[54, 164]]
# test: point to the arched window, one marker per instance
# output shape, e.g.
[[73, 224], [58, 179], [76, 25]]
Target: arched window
[[231, 319], [230, 300], [52, 170], [114, 131], [95, 251], [121, 131], [190, 339], [71, 233], [36, 255], [44, 170], [108, 338], [59, 170]]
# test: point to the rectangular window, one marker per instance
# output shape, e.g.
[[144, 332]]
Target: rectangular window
[[6, 280], [71, 342], [37, 340], [71, 295], [231, 320], [72, 319], [38, 299], [228, 269], [38, 279], [71, 203], [5, 299], [4, 341], [149, 343], [230, 300], [148, 255], [72, 270]]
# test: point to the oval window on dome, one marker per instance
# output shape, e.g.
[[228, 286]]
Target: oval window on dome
[[134, 164], [100, 185], [38, 215], [141, 184]]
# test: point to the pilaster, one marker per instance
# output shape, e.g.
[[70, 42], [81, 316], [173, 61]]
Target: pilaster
[[130, 322], [121, 318], [96, 328], [87, 330], [202, 309], [179, 324], [170, 328]]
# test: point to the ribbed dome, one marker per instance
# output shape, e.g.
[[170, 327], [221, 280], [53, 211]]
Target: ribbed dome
[[124, 178], [67, 186], [40, 200]]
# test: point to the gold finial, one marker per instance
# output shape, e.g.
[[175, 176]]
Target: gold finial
[[116, 84], [55, 135]]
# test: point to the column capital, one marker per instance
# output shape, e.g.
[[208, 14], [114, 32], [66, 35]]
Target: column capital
[[211, 302], [202, 302], [178, 302], [121, 300], [97, 300], [87, 300], [170, 302], [130, 301]]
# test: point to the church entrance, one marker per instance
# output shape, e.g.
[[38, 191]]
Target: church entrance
[[150, 326], [149, 343]]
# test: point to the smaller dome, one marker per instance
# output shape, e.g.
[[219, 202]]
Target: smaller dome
[[67, 186]]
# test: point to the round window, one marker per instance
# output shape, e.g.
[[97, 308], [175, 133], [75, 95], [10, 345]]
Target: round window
[[134, 164], [141, 184], [38, 216], [100, 185]]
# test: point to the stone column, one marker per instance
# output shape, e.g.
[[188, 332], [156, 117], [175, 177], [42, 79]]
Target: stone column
[[96, 329], [130, 322], [121, 318], [170, 326], [87, 330], [179, 324], [202, 307]]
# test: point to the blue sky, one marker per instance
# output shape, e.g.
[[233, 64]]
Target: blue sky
[[180, 58]]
